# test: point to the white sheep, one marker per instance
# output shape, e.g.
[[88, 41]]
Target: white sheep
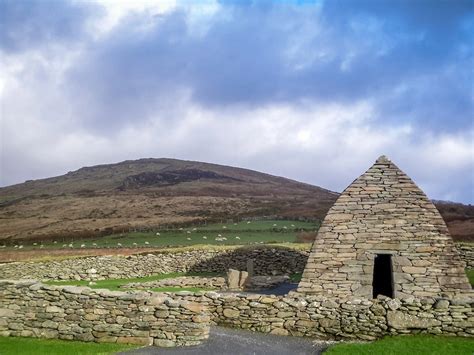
[[188, 232], [274, 225], [35, 243], [41, 246], [219, 235], [83, 245], [158, 233], [188, 238], [135, 244], [119, 244], [248, 222], [224, 227], [64, 245], [71, 245], [293, 225], [194, 229], [94, 244], [20, 247], [237, 237], [146, 243], [204, 237]]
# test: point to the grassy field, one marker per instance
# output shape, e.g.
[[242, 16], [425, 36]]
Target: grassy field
[[242, 233], [409, 344], [28, 346], [114, 284], [470, 276]]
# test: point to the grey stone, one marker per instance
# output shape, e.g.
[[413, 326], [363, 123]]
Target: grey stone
[[233, 277], [400, 320]]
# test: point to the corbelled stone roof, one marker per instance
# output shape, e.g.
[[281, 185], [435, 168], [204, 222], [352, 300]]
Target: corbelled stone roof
[[384, 212]]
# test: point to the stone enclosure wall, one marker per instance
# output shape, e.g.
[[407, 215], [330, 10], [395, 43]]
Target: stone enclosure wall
[[267, 261], [466, 251], [323, 317], [28, 308], [31, 309]]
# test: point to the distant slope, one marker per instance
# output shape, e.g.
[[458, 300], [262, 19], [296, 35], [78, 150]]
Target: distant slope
[[150, 192], [459, 218]]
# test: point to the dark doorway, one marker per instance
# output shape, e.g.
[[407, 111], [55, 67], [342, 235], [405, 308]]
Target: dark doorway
[[383, 282]]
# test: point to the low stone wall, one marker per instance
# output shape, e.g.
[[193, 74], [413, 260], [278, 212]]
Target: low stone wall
[[28, 308], [267, 261], [321, 317], [466, 250], [31, 309]]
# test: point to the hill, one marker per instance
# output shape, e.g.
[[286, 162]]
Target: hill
[[149, 192], [144, 193]]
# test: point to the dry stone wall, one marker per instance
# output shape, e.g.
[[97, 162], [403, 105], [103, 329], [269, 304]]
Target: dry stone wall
[[384, 212], [267, 261], [31, 309], [322, 317], [28, 308], [466, 251]]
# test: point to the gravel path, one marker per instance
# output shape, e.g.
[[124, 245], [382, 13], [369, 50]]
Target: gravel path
[[224, 341]]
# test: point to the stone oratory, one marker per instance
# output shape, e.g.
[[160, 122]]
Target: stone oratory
[[383, 236]]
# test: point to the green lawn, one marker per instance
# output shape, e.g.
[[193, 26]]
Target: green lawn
[[470, 275], [242, 233], [28, 346], [114, 284], [296, 277], [260, 225], [409, 344]]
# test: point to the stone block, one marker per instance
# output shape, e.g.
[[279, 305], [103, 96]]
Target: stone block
[[135, 340], [401, 320], [243, 279], [231, 313], [233, 278], [279, 331], [414, 269], [194, 307]]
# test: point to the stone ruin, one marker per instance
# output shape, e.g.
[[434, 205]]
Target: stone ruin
[[383, 236]]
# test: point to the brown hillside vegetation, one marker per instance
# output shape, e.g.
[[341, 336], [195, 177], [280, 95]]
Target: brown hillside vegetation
[[147, 193], [150, 192]]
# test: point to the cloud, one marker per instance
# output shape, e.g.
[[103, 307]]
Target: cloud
[[265, 53], [314, 92], [30, 24]]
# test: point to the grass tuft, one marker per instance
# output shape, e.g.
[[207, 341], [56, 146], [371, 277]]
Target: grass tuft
[[470, 276], [407, 344], [28, 346], [114, 284]]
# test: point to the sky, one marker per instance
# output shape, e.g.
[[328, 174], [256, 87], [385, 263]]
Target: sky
[[310, 90]]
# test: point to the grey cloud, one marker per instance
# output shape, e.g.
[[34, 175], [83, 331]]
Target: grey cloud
[[29, 24], [243, 60]]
